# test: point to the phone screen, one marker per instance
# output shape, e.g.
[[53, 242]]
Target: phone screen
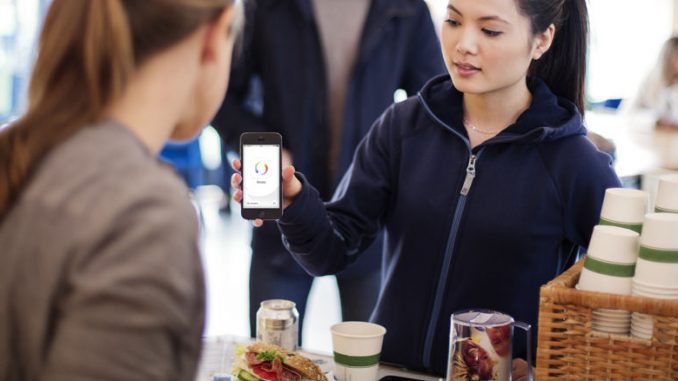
[[261, 176]]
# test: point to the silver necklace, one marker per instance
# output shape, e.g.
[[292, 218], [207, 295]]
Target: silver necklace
[[479, 130]]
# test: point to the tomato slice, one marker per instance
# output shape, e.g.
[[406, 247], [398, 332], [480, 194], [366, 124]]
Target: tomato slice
[[270, 376]]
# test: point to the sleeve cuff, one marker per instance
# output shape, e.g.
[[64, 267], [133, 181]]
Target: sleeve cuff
[[306, 216]]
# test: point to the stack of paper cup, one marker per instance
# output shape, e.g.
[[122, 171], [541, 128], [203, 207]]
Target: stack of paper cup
[[609, 267], [667, 194], [624, 207], [657, 266]]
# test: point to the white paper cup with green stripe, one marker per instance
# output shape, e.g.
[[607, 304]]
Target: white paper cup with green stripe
[[614, 244], [357, 348], [603, 276], [657, 263], [613, 278], [624, 207], [667, 194]]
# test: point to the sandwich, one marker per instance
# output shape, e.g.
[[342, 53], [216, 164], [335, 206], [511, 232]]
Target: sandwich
[[268, 362]]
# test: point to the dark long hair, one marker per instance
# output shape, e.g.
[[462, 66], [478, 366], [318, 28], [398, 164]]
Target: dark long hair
[[563, 66], [88, 51]]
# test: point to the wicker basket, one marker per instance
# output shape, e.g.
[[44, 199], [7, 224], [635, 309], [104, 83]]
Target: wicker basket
[[568, 348]]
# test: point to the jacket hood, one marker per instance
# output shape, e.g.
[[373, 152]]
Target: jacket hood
[[548, 118]]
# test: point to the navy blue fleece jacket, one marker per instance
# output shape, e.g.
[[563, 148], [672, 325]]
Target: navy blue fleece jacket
[[466, 228]]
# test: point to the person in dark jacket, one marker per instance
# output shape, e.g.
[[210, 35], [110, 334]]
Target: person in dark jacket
[[485, 181], [326, 70]]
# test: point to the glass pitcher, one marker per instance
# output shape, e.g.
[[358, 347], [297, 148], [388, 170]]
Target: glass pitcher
[[481, 346]]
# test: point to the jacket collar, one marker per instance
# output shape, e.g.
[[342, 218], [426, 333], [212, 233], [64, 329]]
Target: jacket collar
[[548, 118]]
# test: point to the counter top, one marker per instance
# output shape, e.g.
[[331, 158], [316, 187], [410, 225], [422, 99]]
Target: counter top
[[218, 353], [640, 147]]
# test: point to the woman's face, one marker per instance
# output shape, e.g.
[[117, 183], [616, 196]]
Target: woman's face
[[488, 45]]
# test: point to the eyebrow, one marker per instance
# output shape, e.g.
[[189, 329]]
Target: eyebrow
[[484, 18]]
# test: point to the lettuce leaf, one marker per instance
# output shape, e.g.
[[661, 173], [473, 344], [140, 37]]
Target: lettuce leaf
[[269, 356]]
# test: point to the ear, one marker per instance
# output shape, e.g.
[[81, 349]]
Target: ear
[[217, 34], [542, 42]]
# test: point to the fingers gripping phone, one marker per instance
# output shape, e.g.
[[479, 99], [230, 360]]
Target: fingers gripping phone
[[261, 158]]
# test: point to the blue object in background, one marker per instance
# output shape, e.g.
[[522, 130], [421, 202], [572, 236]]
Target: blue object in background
[[186, 160], [17, 85], [200, 161], [610, 104]]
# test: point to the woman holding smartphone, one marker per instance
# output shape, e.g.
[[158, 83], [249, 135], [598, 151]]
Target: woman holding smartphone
[[100, 274], [485, 181]]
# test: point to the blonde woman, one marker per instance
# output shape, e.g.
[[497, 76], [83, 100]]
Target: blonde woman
[[100, 275]]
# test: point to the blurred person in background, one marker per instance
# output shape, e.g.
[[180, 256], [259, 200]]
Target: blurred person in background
[[485, 181], [100, 274], [659, 92], [325, 69]]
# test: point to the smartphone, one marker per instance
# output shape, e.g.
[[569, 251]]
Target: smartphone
[[261, 158]]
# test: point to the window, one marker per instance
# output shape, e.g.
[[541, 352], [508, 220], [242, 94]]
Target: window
[[625, 39], [19, 24]]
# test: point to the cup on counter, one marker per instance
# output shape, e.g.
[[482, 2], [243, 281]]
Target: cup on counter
[[667, 194], [657, 263], [357, 348], [599, 276], [624, 207], [609, 267], [613, 244], [641, 325], [657, 266], [610, 261]]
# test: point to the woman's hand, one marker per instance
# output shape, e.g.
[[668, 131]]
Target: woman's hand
[[291, 186], [519, 370]]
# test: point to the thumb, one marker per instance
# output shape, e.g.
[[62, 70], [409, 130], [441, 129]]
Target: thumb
[[291, 185], [288, 173]]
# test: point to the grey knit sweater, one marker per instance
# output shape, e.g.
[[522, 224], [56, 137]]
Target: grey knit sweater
[[100, 274]]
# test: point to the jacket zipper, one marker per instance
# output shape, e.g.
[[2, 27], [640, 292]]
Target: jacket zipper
[[461, 203], [470, 175], [452, 238]]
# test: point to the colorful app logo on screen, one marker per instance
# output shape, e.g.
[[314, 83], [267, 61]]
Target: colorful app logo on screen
[[261, 168]]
